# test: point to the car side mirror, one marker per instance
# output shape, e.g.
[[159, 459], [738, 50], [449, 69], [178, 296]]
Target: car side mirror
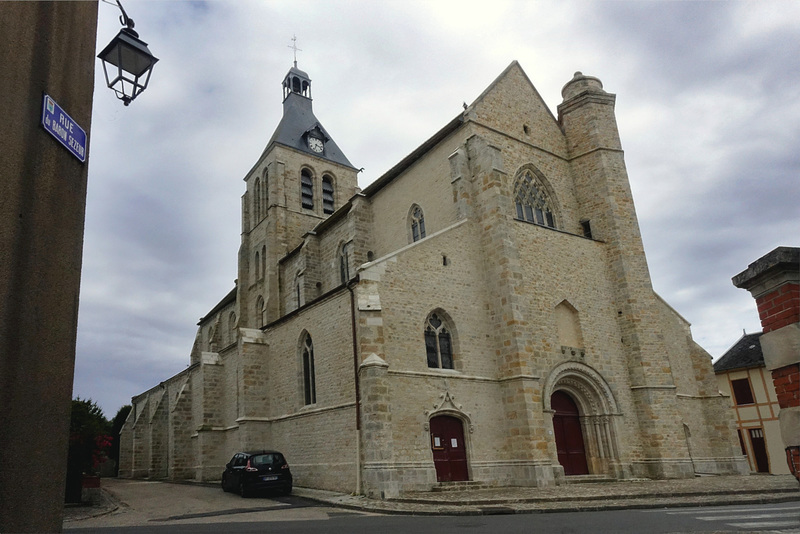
[[228, 465]]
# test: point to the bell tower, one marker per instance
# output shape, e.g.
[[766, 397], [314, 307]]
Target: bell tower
[[300, 179]]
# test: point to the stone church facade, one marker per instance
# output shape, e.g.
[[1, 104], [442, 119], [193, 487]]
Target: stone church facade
[[483, 311]]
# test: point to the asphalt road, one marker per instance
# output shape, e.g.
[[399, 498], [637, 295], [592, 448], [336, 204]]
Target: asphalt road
[[174, 508]]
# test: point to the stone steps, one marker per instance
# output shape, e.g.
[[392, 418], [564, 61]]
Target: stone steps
[[584, 479], [465, 485]]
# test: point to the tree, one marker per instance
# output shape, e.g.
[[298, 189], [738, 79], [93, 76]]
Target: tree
[[88, 440], [116, 427]]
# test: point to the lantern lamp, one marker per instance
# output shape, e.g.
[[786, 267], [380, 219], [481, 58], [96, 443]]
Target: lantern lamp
[[127, 62]]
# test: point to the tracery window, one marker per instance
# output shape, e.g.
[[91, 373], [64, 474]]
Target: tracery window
[[417, 223], [438, 343], [532, 202], [327, 195], [309, 379], [306, 189]]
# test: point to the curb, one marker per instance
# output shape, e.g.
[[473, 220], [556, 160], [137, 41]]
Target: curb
[[110, 505], [629, 502]]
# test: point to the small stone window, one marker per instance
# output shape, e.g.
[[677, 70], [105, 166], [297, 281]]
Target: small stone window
[[309, 379], [586, 226], [532, 202], [416, 224], [306, 189], [438, 343], [327, 195]]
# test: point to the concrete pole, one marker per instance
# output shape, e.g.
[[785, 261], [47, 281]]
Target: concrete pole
[[45, 47]]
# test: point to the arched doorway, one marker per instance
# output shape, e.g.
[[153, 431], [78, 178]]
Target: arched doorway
[[568, 434], [449, 449]]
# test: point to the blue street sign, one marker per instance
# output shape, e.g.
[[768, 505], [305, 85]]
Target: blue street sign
[[61, 126]]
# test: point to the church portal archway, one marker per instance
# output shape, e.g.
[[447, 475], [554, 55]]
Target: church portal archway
[[584, 412], [449, 449], [568, 434]]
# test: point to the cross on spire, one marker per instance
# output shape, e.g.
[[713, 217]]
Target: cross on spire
[[293, 46]]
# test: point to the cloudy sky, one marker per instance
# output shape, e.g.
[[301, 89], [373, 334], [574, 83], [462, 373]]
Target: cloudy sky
[[706, 104]]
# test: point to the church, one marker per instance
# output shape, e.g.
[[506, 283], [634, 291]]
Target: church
[[481, 312]]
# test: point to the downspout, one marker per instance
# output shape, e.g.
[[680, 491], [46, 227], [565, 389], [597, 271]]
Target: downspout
[[350, 285]]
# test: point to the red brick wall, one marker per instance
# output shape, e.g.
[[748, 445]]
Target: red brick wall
[[780, 307], [787, 385]]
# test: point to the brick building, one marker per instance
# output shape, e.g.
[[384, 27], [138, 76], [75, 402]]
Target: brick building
[[483, 311], [774, 282]]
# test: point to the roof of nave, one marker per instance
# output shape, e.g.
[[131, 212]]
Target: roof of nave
[[230, 297]]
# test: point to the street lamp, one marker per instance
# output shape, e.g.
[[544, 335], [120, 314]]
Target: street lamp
[[129, 60]]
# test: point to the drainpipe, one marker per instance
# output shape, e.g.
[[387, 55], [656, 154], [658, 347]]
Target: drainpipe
[[350, 285]]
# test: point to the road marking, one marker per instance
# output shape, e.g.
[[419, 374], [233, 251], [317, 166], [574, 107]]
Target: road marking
[[748, 516], [718, 510], [767, 524], [230, 511]]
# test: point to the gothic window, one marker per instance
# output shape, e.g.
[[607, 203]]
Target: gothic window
[[309, 380], [260, 311], [232, 326], [306, 189], [532, 202], [416, 221], [265, 194], [257, 200], [438, 343], [327, 194], [258, 266], [298, 290], [344, 263], [263, 261]]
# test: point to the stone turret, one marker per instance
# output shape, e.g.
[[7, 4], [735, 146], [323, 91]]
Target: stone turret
[[601, 181]]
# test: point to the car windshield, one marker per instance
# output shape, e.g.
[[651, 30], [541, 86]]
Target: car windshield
[[267, 459]]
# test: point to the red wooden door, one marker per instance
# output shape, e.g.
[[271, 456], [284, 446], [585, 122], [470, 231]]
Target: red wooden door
[[449, 450], [569, 435]]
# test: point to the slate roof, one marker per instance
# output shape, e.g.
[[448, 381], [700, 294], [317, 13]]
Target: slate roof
[[298, 118], [744, 354]]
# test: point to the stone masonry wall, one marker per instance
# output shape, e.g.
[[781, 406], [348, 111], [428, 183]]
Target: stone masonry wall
[[324, 459]]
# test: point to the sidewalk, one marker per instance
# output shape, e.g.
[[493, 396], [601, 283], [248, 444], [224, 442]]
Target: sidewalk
[[699, 491]]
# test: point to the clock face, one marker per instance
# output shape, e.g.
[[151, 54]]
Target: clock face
[[315, 144]]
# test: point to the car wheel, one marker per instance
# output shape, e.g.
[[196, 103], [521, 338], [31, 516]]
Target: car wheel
[[242, 490], [287, 491], [224, 485]]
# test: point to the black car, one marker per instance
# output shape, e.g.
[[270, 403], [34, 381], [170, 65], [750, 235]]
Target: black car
[[251, 471]]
